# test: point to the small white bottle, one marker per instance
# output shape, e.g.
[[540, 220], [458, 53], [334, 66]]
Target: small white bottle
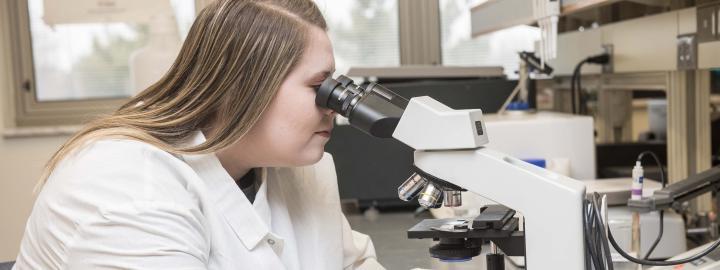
[[636, 194], [637, 182]]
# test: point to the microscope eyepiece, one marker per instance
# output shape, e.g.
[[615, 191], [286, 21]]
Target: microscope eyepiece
[[337, 94], [373, 109]]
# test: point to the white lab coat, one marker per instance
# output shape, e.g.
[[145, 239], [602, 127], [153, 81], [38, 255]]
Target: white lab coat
[[124, 204]]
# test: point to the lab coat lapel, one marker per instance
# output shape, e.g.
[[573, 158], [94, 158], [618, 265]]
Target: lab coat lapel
[[237, 210], [303, 195]]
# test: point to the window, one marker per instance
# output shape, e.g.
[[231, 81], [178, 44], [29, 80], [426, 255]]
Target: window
[[363, 32], [73, 63], [499, 48], [86, 59]]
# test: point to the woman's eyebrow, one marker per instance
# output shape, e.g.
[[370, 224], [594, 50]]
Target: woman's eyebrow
[[323, 74]]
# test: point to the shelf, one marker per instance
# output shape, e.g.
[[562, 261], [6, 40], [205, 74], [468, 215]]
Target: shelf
[[496, 15]]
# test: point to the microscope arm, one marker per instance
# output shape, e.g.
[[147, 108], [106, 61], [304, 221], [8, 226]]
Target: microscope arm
[[448, 146], [679, 192], [552, 204]]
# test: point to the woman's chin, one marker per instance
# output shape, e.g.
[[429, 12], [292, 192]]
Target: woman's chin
[[310, 157], [317, 156]]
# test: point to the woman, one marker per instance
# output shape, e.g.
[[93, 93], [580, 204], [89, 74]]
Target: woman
[[218, 165]]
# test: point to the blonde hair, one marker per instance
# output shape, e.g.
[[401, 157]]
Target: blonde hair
[[234, 59]]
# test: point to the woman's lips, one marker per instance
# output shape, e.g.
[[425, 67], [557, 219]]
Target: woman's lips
[[323, 133]]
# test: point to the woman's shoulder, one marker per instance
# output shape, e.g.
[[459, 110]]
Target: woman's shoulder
[[118, 154], [121, 148], [121, 170], [112, 185]]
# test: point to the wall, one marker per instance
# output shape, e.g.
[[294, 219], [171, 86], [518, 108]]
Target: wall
[[630, 40], [21, 159]]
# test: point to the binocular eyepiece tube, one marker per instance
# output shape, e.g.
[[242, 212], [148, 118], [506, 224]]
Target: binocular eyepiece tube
[[371, 108]]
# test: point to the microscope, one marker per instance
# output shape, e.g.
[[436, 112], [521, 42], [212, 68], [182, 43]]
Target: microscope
[[449, 159]]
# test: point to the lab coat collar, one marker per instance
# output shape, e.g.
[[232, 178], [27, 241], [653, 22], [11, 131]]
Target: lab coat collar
[[239, 213]]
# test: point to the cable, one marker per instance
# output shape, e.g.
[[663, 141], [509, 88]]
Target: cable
[[663, 180], [659, 236], [573, 82], [661, 263], [657, 161], [594, 220], [576, 85], [572, 93], [597, 251], [582, 108], [598, 254]]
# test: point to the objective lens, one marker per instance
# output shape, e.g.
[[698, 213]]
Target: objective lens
[[411, 187], [431, 197], [452, 198]]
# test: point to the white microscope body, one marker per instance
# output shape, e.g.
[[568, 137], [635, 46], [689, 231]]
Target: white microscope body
[[450, 158], [449, 145]]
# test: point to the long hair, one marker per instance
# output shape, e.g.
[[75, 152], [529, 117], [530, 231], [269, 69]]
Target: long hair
[[235, 57]]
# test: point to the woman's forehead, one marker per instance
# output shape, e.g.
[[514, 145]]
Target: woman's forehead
[[318, 56]]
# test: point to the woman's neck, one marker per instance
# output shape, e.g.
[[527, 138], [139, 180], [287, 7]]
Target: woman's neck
[[234, 168], [231, 160]]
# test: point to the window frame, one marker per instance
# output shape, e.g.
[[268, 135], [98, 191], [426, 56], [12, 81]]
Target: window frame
[[28, 110], [417, 45]]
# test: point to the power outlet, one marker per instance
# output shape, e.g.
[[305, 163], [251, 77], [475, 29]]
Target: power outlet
[[608, 68], [687, 52]]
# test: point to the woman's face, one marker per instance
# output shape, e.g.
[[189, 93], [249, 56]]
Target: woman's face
[[293, 130]]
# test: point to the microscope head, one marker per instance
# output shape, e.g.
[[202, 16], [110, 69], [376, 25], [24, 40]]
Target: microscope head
[[422, 123]]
